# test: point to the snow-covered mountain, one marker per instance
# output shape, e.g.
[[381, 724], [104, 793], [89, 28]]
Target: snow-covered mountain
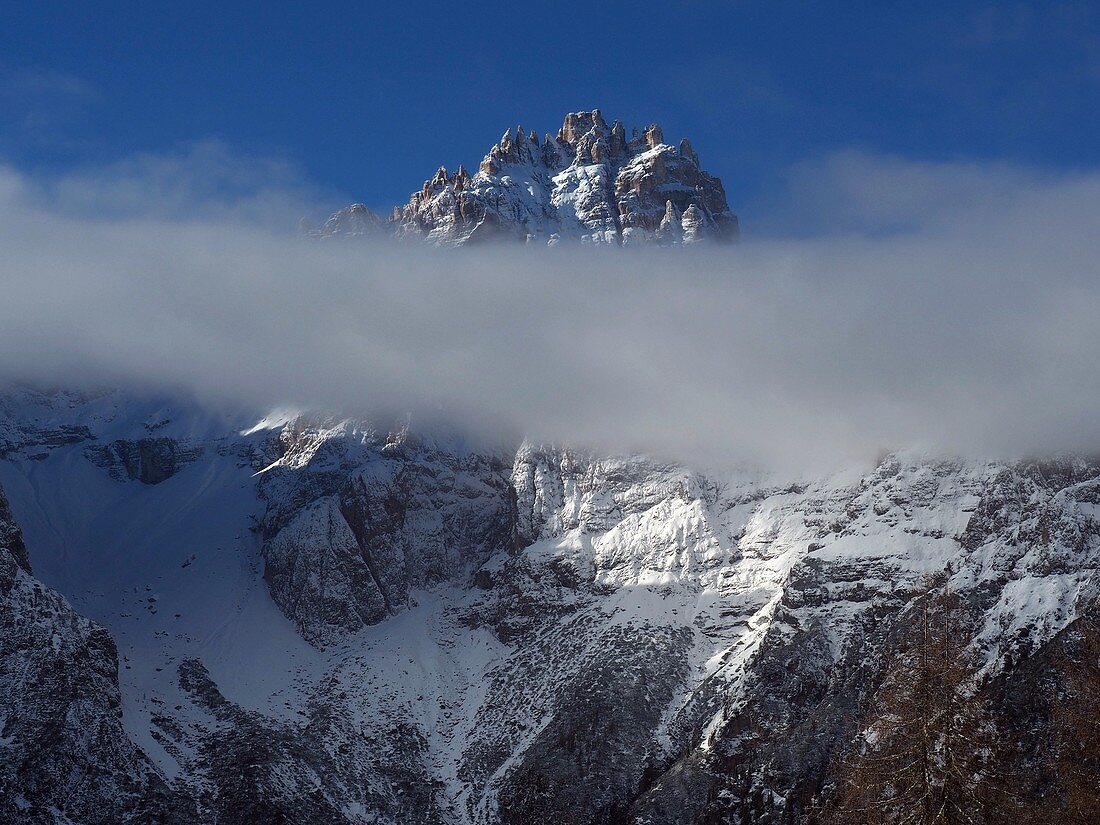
[[313, 619], [589, 183]]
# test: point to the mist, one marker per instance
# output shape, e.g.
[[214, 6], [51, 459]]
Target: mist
[[882, 304]]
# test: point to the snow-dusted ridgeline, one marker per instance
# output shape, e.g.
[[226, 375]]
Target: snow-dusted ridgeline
[[331, 622]]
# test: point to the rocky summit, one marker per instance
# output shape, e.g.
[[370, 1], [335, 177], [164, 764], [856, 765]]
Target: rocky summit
[[590, 182], [316, 619]]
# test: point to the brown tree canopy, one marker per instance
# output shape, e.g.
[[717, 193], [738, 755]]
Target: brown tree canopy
[[928, 753]]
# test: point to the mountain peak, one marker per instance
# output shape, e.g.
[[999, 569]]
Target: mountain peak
[[589, 184]]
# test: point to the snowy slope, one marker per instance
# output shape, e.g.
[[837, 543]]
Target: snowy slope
[[330, 622], [64, 754]]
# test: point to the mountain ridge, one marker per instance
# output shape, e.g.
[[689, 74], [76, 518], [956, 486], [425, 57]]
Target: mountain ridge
[[589, 183], [328, 621]]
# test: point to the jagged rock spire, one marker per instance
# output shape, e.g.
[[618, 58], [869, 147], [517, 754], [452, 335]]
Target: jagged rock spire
[[688, 152], [618, 138], [654, 136], [590, 183], [671, 228], [578, 124]]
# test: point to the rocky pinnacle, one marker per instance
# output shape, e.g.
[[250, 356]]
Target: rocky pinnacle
[[588, 183]]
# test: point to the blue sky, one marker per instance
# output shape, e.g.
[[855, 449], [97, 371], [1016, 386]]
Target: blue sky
[[368, 98], [918, 187]]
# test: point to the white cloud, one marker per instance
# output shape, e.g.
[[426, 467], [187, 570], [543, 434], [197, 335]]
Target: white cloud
[[39, 83], [199, 181], [953, 307], [36, 106]]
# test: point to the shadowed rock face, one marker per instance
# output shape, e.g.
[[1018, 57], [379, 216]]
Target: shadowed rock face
[[262, 770], [589, 183], [148, 460], [356, 519], [65, 755], [11, 539]]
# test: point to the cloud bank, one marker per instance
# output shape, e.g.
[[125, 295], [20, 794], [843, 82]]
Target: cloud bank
[[946, 307]]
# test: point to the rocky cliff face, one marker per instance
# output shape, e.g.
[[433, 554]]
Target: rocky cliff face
[[356, 519], [590, 182], [148, 460], [339, 623]]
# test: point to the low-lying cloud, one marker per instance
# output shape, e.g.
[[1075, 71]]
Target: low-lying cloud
[[950, 307]]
